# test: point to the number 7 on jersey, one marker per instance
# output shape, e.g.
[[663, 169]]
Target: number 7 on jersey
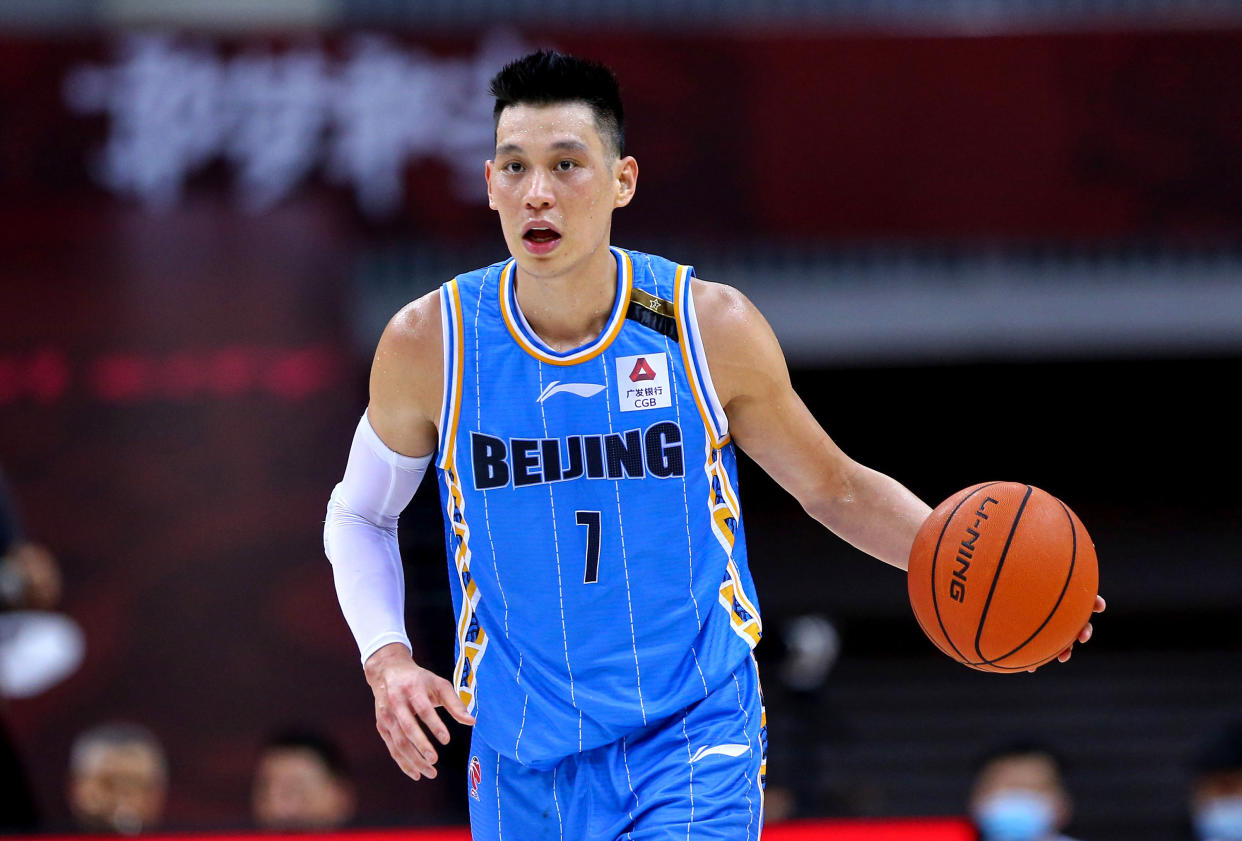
[[591, 520]]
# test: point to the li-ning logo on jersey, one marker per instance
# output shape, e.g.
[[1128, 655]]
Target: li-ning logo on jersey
[[632, 454], [580, 389], [476, 776], [642, 382]]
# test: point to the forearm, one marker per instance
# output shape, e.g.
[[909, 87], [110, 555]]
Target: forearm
[[872, 512], [369, 580], [360, 538]]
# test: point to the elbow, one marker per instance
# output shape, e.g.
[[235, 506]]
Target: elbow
[[342, 521], [331, 520], [829, 499]]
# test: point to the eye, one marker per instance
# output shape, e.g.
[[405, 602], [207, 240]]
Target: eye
[[565, 166], [512, 168]]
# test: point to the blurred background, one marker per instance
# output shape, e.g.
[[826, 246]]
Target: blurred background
[[998, 239]]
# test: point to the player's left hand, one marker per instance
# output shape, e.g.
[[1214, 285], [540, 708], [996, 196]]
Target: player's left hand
[[1083, 635]]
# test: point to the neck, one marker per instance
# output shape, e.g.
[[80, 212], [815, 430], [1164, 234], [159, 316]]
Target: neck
[[570, 309]]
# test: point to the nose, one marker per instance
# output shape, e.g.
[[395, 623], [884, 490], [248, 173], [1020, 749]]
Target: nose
[[539, 195]]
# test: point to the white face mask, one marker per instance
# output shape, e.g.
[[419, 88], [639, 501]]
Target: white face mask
[[1015, 815], [1220, 819]]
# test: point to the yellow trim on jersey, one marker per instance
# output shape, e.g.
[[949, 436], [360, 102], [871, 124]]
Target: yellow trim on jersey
[[722, 505], [586, 353], [730, 498], [763, 723], [749, 629], [683, 291], [453, 390], [469, 651]]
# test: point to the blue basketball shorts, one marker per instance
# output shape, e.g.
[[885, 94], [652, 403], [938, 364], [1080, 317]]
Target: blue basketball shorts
[[697, 774]]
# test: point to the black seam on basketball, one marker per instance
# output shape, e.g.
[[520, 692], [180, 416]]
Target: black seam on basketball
[[1064, 587], [1000, 564], [935, 557], [1022, 668]]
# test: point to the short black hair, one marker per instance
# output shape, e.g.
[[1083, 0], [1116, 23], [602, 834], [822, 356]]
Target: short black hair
[[115, 734], [547, 77], [304, 738], [1021, 747]]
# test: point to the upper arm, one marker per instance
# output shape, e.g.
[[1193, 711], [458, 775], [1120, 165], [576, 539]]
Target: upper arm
[[767, 418], [406, 379]]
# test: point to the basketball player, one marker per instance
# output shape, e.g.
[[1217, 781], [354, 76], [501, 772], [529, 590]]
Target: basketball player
[[581, 403]]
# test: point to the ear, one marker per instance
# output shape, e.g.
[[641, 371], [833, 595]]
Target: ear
[[487, 176], [1064, 810], [626, 172]]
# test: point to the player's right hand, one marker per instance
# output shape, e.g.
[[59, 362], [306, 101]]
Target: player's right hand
[[406, 697]]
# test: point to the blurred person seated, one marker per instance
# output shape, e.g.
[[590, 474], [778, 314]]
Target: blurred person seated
[[38, 648], [1019, 794], [29, 577], [301, 783], [118, 779], [29, 574], [1216, 790]]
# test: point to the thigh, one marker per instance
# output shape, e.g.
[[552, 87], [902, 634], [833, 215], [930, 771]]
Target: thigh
[[575, 800], [509, 800], [700, 774]]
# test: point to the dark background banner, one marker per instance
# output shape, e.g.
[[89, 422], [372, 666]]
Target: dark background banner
[[779, 135]]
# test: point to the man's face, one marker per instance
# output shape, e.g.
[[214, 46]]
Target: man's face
[[294, 790], [120, 788], [1216, 804], [1027, 780], [555, 184]]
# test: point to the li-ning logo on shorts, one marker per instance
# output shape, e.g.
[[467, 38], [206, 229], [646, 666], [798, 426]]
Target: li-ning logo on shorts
[[723, 750], [476, 776], [642, 382]]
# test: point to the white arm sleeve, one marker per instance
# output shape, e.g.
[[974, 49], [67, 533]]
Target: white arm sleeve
[[360, 538]]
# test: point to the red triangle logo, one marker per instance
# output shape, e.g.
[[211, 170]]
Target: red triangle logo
[[642, 371]]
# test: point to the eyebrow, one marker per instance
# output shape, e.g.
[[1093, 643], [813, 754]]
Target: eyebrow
[[560, 145]]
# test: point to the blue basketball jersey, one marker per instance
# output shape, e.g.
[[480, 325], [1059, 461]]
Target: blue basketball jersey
[[596, 553]]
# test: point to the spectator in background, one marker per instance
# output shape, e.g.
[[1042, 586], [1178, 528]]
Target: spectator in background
[[118, 779], [1019, 795], [1216, 792], [302, 783], [29, 575], [29, 579], [38, 648]]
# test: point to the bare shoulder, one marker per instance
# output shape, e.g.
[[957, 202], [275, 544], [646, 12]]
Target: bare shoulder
[[718, 305], [413, 334], [743, 353], [406, 378]]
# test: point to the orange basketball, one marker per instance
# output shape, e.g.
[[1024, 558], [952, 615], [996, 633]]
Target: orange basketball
[[1003, 577]]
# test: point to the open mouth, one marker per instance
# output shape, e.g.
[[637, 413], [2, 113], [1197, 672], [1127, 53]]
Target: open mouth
[[541, 235]]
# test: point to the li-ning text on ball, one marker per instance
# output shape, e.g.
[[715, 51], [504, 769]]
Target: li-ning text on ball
[[966, 551]]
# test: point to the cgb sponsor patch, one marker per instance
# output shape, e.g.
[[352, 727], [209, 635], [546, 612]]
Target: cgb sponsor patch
[[642, 382]]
